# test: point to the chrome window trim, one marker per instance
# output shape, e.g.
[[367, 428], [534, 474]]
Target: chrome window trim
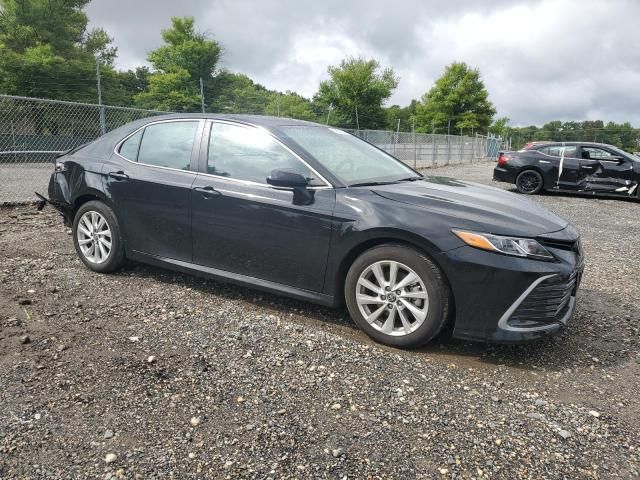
[[558, 156], [327, 185], [116, 149]]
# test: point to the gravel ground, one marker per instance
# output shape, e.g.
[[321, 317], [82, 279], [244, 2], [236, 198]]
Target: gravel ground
[[151, 374], [20, 180]]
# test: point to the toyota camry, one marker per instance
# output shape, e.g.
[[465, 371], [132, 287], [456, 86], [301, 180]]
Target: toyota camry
[[312, 212]]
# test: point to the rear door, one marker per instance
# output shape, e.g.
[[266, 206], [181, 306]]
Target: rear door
[[564, 165], [149, 180], [604, 170]]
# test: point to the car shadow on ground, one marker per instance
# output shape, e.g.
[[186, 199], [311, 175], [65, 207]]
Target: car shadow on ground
[[576, 346], [551, 193]]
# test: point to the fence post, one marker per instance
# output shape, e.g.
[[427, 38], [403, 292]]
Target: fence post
[[393, 141], [415, 151], [473, 149], [103, 127], [448, 150], [434, 156]]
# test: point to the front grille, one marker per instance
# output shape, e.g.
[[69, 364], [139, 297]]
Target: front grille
[[547, 303], [563, 245]]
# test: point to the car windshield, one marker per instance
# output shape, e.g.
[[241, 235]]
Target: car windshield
[[351, 160]]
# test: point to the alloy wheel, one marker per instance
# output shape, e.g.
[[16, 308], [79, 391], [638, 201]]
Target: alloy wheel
[[392, 298], [94, 237], [529, 182]]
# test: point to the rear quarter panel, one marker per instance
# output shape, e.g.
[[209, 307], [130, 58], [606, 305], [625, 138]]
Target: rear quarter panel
[[533, 160]]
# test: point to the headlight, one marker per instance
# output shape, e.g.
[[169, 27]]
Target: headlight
[[520, 247]]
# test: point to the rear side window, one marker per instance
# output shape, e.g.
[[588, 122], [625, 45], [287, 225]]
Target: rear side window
[[556, 150], [129, 149], [162, 144], [168, 144]]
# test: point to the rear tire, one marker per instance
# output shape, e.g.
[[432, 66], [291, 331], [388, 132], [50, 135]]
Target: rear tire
[[97, 237], [397, 295], [529, 182]]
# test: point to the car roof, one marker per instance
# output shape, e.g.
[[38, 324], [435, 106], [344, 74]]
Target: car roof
[[105, 144], [258, 120], [585, 144]]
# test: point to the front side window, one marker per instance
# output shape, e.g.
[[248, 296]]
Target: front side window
[[166, 144], [594, 153], [246, 153], [350, 159]]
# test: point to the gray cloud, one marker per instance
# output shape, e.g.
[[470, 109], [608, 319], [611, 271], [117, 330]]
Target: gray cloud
[[540, 59]]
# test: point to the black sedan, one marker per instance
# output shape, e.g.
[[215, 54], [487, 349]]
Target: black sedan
[[315, 213], [589, 168]]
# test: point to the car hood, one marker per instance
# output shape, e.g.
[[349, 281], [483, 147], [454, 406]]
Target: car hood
[[490, 209]]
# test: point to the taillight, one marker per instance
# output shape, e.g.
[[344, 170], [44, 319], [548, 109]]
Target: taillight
[[504, 158]]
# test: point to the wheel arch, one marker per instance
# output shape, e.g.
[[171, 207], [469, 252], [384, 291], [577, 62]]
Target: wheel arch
[[88, 196], [383, 237], [535, 168]]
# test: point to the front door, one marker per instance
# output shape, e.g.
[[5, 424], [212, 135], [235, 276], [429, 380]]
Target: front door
[[603, 170], [242, 225], [149, 181]]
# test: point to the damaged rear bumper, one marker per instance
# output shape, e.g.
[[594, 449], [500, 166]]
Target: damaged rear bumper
[[58, 193], [501, 174]]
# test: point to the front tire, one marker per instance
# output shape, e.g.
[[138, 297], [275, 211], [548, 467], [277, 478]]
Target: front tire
[[397, 295], [97, 237], [529, 182]]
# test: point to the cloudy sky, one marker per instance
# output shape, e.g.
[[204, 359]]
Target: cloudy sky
[[540, 59]]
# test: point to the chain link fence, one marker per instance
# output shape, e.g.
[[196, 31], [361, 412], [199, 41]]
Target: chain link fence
[[33, 131], [424, 150]]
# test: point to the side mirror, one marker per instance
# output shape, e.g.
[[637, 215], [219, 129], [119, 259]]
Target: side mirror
[[287, 179], [294, 180]]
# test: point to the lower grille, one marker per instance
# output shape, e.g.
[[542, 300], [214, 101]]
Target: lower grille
[[547, 303]]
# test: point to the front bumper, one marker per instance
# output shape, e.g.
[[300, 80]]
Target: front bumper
[[504, 299]]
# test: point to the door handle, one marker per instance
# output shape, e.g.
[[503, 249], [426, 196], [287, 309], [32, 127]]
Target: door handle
[[207, 192], [119, 175]]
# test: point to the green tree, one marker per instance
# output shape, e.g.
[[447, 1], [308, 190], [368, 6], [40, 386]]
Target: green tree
[[186, 49], [171, 92], [186, 57], [459, 99], [46, 50], [230, 92], [355, 93], [290, 105], [500, 127], [406, 115]]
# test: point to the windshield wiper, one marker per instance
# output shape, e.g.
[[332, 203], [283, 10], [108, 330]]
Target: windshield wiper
[[372, 184], [388, 182]]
